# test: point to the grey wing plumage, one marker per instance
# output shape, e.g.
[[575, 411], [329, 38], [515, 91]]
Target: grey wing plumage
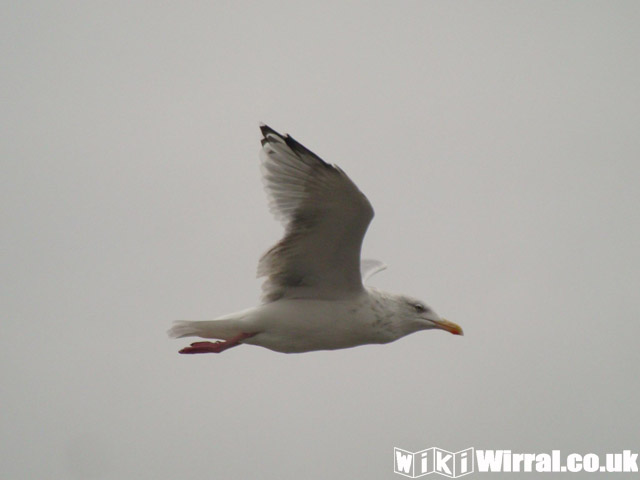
[[325, 217]]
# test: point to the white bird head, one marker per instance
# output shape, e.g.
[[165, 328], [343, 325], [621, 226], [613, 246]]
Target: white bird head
[[415, 316]]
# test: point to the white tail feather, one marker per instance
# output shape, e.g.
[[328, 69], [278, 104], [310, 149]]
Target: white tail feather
[[223, 328], [183, 328]]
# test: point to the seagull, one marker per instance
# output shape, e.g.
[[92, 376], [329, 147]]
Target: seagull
[[313, 297]]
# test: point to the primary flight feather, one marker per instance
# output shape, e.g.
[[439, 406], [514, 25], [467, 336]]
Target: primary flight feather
[[313, 295]]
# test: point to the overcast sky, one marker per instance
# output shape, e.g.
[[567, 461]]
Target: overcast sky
[[497, 141]]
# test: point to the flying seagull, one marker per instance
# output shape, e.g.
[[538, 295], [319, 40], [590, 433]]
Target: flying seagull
[[313, 295]]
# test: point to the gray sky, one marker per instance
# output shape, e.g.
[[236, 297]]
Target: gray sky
[[497, 141]]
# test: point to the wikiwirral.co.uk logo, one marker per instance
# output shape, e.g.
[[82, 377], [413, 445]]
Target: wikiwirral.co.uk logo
[[454, 465], [433, 460]]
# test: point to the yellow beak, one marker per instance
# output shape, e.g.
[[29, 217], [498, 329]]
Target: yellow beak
[[449, 326]]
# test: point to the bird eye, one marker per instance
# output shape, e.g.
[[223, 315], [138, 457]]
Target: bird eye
[[419, 308]]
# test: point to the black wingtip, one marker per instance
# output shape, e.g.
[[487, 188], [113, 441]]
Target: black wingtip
[[293, 144], [300, 149], [267, 130]]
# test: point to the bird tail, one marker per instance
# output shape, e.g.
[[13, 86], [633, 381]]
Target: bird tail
[[184, 328], [223, 328]]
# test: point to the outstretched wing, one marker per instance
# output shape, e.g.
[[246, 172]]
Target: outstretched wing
[[325, 218]]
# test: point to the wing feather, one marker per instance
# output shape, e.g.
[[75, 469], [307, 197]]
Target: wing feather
[[325, 218]]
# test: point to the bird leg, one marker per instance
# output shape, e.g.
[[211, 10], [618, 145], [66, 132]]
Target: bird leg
[[216, 347]]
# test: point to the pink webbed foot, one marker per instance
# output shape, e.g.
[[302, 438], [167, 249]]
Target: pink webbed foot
[[216, 347]]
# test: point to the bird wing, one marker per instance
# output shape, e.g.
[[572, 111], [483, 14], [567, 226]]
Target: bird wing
[[369, 267], [325, 218]]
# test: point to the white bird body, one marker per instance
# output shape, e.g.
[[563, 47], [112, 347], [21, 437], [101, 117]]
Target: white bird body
[[359, 319], [314, 297]]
